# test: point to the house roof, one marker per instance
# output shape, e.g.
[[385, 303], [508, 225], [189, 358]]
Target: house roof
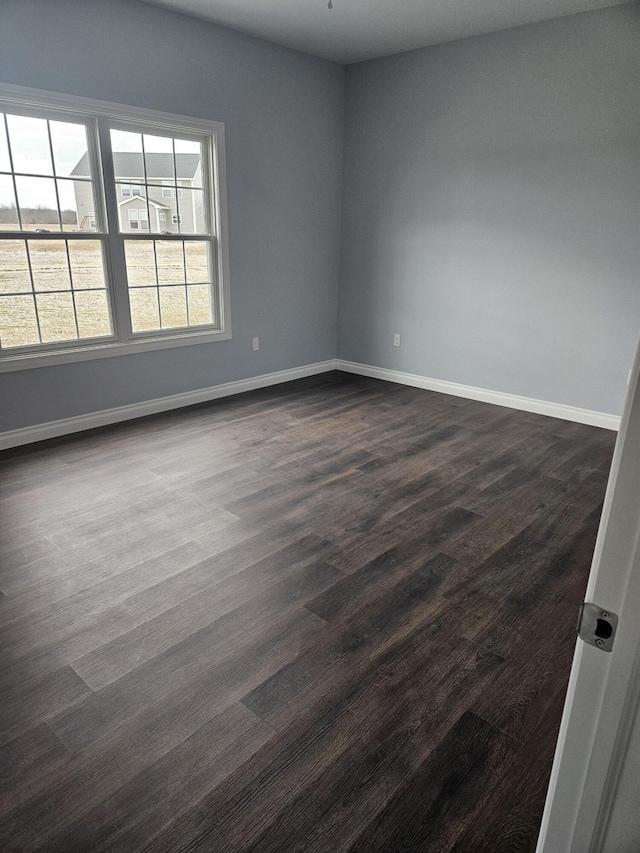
[[143, 202], [159, 166]]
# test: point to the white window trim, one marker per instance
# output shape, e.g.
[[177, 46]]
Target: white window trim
[[133, 190], [24, 97], [139, 218]]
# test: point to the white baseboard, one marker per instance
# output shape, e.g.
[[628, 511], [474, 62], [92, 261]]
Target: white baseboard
[[511, 401], [66, 426]]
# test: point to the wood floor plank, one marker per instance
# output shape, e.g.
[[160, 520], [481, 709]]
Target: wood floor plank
[[310, 617], [47, 817], [364, 539], [350, 594], [274, 592], [26, 762], [187, 671], [550, 596], [368, 647], [89, 590], [262, 786], [507, 819], [125, 820], [27, 700], [515, 566], [426, 813], [394, 739], [380, 625]]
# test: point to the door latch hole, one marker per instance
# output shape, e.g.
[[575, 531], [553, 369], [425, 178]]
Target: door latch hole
[[603, 629]]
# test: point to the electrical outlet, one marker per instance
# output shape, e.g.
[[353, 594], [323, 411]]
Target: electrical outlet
[[396, 340], [256, 344]]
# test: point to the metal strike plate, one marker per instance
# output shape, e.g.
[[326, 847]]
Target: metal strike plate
[[597, 626]]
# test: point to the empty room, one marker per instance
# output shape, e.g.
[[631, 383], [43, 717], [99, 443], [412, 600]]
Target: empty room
[[319, 426]]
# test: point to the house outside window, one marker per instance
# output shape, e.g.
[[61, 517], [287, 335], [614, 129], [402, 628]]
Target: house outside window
[[138, 220], [130, 189], [92, 265], [169, 191]]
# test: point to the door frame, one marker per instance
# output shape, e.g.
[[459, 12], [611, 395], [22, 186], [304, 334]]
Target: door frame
[[604, 688]]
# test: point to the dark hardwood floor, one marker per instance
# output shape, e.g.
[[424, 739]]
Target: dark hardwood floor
[[334, 615]]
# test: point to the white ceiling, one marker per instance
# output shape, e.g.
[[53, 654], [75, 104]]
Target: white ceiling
[[364, 29]]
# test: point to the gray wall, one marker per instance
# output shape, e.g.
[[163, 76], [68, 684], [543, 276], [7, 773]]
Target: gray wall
[[491, 200], [491, 210], [283, 112]]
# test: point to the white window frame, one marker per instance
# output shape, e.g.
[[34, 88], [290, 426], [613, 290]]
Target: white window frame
[[104, 115], [176, 219], [140, 217], [131, 190]]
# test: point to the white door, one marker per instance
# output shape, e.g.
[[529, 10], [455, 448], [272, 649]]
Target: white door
[[604, 687]]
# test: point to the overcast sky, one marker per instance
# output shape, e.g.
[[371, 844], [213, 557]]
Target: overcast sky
[[31, 152]]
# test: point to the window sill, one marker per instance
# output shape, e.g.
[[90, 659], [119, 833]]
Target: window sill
[[29, 361]]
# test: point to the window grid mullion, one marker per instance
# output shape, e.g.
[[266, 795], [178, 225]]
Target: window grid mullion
[[114, 244], [53, 235], [175, 190], [192, 238], [55, 181], [157, 287], [73, 297], [75, 178], [13, 175], [209, 204], [33, 288], [66, 290], [214, 291], [186, 288], [146, 186]]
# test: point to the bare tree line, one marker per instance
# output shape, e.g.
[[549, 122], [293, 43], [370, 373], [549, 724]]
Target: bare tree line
[[36, 215]]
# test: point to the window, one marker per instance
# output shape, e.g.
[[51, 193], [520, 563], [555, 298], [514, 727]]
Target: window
[[86, 267], [138, 219], [130, 189], [170, 190]]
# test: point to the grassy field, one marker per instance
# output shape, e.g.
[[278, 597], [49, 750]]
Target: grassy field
[[75, 305]]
